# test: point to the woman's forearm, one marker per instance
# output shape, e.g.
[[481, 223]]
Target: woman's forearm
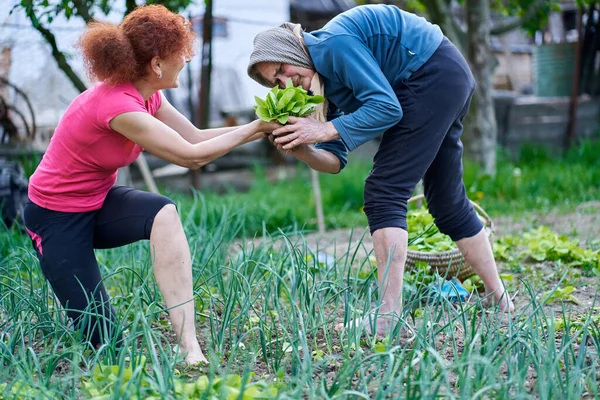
[[219, 145], [207, 134], [202, 135], [319, 160], [256, 136]]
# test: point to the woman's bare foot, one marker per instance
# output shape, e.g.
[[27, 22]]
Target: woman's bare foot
[[502, 300], [193, 354]]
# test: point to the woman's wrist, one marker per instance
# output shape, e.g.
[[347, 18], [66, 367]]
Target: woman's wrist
[[303, 152], [331, 131], [256, 126]]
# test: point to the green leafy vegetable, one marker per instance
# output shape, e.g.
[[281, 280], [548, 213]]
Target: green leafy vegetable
[[541, 244], [423, 235], [280, 104], [560, 294], [114, 381]]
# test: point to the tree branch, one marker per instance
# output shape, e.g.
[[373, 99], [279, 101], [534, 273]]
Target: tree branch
[[439, 13], [516, 22], [83, 10], [56, 53]]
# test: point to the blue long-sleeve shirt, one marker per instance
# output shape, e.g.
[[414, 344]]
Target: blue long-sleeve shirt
[[361, 55]]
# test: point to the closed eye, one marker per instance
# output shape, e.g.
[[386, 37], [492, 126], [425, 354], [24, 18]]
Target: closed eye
[[277, 73]]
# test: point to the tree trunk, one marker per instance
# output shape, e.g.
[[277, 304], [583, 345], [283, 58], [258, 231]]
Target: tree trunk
[[205, 77], [480, 132], [440, 13], [480, 137]]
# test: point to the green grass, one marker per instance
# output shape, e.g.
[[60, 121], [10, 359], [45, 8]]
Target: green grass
[[539, 182], [266, 311], [267, 314], [536, 183]]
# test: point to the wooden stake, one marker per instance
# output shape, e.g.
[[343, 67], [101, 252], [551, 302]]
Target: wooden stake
[[146, 174], [318, 201], [571, 125]]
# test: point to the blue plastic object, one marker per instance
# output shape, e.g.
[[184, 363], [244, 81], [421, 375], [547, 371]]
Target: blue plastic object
[[452, 290]]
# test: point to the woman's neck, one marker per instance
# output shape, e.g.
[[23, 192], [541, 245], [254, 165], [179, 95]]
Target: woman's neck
[[145, 88]]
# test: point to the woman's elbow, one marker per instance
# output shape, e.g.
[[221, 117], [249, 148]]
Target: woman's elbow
[[191, 162], [196, 164]]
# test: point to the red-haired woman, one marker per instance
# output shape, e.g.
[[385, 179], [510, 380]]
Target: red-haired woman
[[74, 206]]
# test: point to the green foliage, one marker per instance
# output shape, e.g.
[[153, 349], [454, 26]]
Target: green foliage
[[541, 244], [271, 306], [535, 13], [537, 181], [108, 381], [173, 5], [423, 234], [473, 284], [21, 390], [47, 10], [418, 278], [280, 104], [559, 294]]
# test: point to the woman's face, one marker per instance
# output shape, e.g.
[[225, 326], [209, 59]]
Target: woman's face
[[170, 69], [278, 73]]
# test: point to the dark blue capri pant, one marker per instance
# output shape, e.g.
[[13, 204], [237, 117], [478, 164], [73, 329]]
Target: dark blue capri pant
[[426, 145], [65, 244]]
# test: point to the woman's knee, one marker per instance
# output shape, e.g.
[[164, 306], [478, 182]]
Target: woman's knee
[[167, 220], [168, 214], [386, 215], [385, 205]]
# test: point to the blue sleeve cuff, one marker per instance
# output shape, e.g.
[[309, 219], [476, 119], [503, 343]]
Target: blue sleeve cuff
[[337, 148], [349, 143]]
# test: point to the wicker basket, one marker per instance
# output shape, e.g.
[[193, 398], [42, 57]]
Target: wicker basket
[[449, 263]]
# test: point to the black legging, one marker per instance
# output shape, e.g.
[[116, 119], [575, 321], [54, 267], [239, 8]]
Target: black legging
[[65, 244]]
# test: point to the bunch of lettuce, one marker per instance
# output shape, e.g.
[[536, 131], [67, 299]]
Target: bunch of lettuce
[[280, 104], [423, 234]]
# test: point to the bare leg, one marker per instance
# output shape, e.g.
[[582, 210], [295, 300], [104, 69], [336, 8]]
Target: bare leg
[[478, 254], [390, 247], [388, 244], [173, 272]]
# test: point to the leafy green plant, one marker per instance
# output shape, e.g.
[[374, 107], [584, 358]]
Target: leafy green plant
[[271, 305], [542, 244], [280, 104], [560, 294], [423, 234], [21, 390], [473, 284], [108, 380]]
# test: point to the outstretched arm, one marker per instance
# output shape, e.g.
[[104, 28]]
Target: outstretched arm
[[164, 142], [169, 115]]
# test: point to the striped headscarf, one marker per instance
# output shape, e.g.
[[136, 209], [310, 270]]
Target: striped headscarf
[[279, 45]]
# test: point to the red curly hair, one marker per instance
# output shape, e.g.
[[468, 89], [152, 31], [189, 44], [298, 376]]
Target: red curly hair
[[121, 53]]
